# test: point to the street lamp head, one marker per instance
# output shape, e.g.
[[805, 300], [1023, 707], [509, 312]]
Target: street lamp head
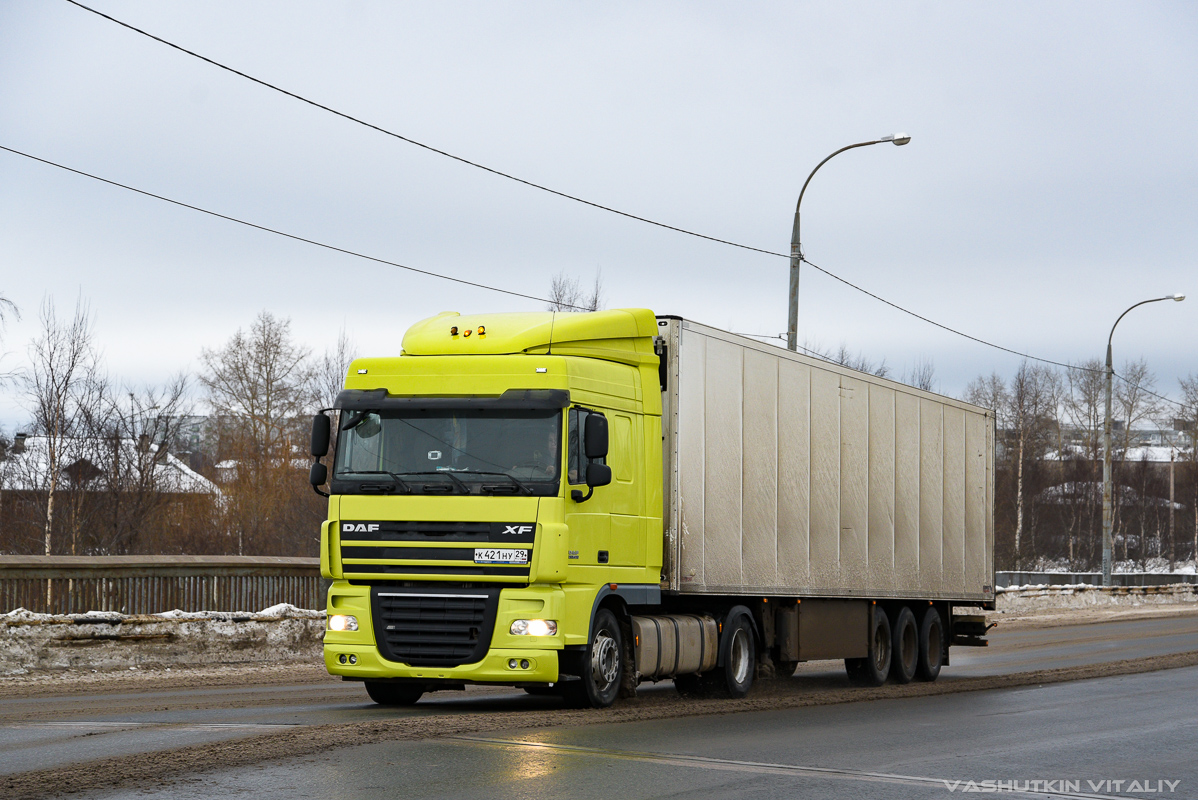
[[1178, 297], [899, 139]]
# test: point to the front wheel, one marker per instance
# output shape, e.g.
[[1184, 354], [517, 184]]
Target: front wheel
[[603, 666]]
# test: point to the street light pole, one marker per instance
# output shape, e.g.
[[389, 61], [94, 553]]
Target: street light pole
[[1107, 513], [796, 248]]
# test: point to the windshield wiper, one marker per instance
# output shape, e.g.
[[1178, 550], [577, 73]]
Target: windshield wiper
[[397, 479], [456, 480], [521, 484]]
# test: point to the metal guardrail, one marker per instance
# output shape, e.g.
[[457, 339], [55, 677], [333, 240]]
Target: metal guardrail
[[153, 584], [1005, 579]]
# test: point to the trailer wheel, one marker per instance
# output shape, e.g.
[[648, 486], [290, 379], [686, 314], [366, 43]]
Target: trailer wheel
[[873, 669], [394, 694], [740, 659], [603, 666], [904, 653], [931, 645]]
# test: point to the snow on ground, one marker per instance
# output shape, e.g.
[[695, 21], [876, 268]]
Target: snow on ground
[[104, 640]]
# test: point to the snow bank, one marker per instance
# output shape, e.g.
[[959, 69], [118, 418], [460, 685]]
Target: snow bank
[[1038, 597], [104, 640]]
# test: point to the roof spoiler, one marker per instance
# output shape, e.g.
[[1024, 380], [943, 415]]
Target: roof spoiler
[[512, 399]]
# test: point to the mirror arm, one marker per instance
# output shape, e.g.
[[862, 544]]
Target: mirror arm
[[578, 497]]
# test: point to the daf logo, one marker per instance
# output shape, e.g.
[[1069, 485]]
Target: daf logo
[[359, 527], [516, 530]]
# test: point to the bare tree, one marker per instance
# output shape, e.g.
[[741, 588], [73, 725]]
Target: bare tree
[[922, 375], [566, 293], [329, 372], [259, 386], [131, 438], [7, 307], [846, 358], [62, 386], [1189, 420], [1134, 402], [259, 379]]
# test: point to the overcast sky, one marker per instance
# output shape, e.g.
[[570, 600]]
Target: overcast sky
[[1051, 180]]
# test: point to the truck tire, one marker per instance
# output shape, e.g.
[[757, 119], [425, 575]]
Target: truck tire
[[873, 669], [603, 665], [394, 694], [904, 651], [931, 645], [735, 677]]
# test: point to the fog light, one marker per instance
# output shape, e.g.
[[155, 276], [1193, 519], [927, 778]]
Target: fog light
[[534, 627], [523, 663], [343, 622], [511, 663], [353, 659], [341, 658]]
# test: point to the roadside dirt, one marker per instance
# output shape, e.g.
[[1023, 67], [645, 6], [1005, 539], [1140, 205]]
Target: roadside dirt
[[1056, 617], [166, 767]]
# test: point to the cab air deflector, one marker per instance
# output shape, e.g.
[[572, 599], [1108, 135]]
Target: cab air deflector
[[512, 399]]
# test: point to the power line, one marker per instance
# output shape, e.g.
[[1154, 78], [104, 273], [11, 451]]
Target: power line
[[543, 188], [475, 284], [428, 147], [548, 189], [284, 234]]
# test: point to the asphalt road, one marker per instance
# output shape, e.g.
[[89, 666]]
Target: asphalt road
[[1075, 739], [59, 731]]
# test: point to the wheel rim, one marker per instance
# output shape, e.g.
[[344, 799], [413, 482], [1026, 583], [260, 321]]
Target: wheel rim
[[605, 660], [739, 656]]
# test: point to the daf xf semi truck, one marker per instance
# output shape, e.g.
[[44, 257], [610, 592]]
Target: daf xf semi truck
[[578, 502]]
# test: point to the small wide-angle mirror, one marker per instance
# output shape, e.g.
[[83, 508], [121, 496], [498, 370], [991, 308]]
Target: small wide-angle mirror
[[598, 474], [318, 475]]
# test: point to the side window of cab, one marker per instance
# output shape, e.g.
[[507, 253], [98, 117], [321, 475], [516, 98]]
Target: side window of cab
[[576, 460]]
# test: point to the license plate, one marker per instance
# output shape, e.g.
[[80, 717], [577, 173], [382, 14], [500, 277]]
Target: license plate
[[491, 555]]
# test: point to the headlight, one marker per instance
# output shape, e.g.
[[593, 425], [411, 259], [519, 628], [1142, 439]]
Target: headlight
[[343, 622], [534, 627]]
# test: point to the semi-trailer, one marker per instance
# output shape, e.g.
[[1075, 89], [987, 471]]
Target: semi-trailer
[[579, 502]]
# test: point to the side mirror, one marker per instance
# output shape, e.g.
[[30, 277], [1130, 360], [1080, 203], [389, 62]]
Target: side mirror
[[321, 427], [318, 475], [595, 438], [598, 474]]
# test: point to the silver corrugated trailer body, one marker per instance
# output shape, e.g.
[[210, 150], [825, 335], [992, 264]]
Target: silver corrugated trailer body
[[790, 476]]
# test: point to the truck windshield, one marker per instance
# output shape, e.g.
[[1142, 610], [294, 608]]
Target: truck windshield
[[475, 451]]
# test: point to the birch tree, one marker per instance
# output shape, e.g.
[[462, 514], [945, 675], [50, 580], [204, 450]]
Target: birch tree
[[61, 385]]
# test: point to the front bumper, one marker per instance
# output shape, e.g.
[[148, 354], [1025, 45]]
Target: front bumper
[[494, 668], [502, 663]]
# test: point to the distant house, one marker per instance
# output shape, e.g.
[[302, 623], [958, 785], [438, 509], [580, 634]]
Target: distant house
[[98, 465], [110, 495]]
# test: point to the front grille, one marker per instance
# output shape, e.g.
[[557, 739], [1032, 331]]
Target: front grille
[[424, 628]]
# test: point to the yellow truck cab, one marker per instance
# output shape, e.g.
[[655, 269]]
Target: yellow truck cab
[[508, 505], [464, 541]]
